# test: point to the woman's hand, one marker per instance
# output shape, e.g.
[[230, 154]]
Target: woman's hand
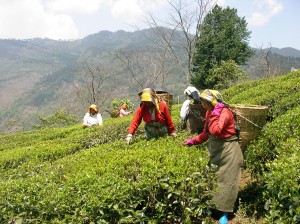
[[190, 141], [128, 139], [174, 135]]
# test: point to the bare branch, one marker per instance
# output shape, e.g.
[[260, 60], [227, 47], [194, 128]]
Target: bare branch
[[186, 17]]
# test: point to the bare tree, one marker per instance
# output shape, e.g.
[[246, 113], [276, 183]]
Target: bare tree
[[98, 84], [185, 16], [264, 64], [145, 67]]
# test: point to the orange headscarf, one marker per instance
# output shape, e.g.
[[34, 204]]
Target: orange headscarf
[[123, 106]]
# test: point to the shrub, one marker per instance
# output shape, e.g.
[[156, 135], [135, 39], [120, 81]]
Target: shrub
[[60, 118], [117, 103]]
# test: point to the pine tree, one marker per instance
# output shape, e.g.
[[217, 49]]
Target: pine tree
[[223, 37]]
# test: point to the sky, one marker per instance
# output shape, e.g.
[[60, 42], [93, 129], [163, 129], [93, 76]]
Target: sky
[[272, 22]]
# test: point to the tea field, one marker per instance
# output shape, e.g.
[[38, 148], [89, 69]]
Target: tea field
[[75, 175]]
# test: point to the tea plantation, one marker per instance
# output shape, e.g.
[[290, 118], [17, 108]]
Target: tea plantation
[[75, 175]]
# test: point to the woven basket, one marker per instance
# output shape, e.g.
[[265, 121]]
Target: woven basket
[[196, 118], [167, 98], [251, 119], [113, 113]]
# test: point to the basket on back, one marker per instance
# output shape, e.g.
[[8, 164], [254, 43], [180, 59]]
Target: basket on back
[[196, 118], [164, 96], [250, 118], [167, 98], [113, 113]]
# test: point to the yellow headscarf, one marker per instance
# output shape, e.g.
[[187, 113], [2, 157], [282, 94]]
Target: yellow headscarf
[[149, 95], [211, 96]]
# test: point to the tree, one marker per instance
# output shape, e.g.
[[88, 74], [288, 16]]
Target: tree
[[265, 64], [99, 83], [223, 37], [179, 32], [222, 76], [60, 118], [146, 67]]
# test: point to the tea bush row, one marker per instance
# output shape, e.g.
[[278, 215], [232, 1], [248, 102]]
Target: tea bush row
[[158, 181], [280, 93], [274, 157], [41, 145]]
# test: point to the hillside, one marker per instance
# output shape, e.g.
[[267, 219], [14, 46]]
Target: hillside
[[286, 52], [41, 76], [75, 175]]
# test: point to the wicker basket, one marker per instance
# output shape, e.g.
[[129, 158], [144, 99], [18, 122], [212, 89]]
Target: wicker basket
[[251, 119], [167, 98], [113, 113], [196, 118]]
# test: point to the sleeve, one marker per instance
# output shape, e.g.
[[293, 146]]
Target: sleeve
[[85, 119], [123, 113], [136, 121], [217, 123], [202, 137], [99, 118], [184, 110], [168, 118]]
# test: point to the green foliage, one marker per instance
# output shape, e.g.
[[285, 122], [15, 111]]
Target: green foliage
[[274, 134], [117, 103], [75, 175], [282, 183], [223, 37], [280, 93], [274, 157], [225, 75], [58, 119]]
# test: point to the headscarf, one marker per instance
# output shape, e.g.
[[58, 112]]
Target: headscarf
[[123, 106], [94, 107], [192, 93], [211, 96], [188, 91], [149, 95]]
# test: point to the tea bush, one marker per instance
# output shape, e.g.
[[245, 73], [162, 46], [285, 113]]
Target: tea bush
[[75, 175], [282, 184], [150, 180], [280, 94], [273, 158]]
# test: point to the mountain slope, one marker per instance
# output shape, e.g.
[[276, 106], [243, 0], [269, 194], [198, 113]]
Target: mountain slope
[[40, 76]]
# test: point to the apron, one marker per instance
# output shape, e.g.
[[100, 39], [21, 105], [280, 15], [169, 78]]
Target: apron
[[227, 155], [155, 130]]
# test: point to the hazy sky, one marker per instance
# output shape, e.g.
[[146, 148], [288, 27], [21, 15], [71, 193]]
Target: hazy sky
[[272, 22]]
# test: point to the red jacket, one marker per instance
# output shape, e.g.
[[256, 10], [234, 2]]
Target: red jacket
[[221, 126], [163, 117]]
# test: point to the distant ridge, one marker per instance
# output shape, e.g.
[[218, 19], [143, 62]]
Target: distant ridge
[[286, 52]]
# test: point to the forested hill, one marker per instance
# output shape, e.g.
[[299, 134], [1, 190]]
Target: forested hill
[[287, 52], [41, 76]]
